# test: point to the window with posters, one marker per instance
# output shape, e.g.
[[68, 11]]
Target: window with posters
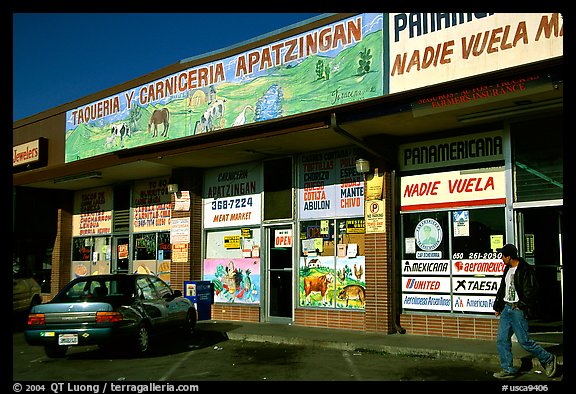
[[449, 260], [331, 207], [91, 255], [152, 254], [332, 263], [232, 264], [232, 201]]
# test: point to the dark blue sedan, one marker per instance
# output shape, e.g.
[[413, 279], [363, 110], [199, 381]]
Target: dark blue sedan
[[116, 309]]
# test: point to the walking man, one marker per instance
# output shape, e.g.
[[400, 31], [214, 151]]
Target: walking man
[[514, 304]]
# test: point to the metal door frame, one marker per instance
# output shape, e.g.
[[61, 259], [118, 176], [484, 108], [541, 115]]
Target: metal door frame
[[269, 228], [520, 210]]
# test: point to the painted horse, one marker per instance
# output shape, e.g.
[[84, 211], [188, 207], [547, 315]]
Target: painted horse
[[159, 116]]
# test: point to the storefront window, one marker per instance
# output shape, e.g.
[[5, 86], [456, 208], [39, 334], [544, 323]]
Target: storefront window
[[152, 254], [232, 264], [145, 246], [91, 256], [332, 263], [278, 199], [538, 159], [449, 260], [164, 247]]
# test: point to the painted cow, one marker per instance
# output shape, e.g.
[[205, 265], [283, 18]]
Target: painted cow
[[317, 284], [213, 117], [121, 130]]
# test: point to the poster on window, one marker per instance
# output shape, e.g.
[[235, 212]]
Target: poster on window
[[330, 185], [235, 280], [92, 212], [461, 223], [151, 206], [232, 196], [317, 281], [350, 283], [180, 231]]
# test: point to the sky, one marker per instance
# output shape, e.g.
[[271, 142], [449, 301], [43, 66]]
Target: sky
[[61, 57]]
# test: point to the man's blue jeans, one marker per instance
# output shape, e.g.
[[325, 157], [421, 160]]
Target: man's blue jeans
[[512, 321]]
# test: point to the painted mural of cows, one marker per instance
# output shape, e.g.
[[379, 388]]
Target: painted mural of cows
[[317, 284], [121, 130], [212, 118]]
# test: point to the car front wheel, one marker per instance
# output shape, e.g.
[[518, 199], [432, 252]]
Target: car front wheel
[[55, 351], [190, 323]]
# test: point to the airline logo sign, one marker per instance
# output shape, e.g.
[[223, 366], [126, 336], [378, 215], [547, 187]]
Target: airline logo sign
[[474, 303], [478, 267], [475, 285], [417, 267], [453, 189], [451, 285], [426, 284], [436, 302]]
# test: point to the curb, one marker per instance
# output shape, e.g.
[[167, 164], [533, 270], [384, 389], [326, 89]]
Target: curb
[[522, 359], [351, 346]]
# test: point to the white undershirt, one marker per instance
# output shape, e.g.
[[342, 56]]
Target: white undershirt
[[511, 295]]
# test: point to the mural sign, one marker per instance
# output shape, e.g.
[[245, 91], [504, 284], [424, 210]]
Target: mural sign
[[335, 64]]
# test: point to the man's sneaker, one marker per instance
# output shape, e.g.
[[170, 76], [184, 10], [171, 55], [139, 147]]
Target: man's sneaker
[[504, 375], [550, 368]]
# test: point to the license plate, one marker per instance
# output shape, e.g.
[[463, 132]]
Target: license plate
[[68, 339]]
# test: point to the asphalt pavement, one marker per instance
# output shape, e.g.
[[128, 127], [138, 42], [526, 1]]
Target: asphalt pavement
[[483, 351]]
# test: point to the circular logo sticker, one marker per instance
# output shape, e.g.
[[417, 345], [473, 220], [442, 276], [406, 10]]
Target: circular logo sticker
[[428, 234]]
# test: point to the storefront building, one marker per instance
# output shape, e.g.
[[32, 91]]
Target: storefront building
[[354, 171]]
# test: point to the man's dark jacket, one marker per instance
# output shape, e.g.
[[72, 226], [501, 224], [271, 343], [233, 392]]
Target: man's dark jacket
[[526, 286]]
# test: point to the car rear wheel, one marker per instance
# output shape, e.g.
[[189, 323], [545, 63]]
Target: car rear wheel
[[55, 351], [142, 343]]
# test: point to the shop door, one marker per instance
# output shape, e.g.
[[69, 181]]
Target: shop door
[[280, 292], [121, 254], [541, 237]]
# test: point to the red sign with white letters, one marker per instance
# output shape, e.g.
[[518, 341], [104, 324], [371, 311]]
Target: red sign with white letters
[[453, 189]]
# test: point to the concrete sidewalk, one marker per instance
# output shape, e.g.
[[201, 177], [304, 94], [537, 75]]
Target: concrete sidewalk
[[396, 344]]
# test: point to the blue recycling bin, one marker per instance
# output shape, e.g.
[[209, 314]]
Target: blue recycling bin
[[201, 293]]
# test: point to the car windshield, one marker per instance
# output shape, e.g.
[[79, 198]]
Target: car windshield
[[96, 289]]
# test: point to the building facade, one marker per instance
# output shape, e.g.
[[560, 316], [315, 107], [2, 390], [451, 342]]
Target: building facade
[[353, 171]]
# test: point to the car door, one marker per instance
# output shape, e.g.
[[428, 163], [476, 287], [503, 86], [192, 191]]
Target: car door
[[176, 307], [153, 304]]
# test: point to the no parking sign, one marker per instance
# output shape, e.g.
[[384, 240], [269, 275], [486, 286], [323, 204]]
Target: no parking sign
[[374, 216]]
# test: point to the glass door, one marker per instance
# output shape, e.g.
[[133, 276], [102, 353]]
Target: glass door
[[280, 291], [121, 254], [541, 245]]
